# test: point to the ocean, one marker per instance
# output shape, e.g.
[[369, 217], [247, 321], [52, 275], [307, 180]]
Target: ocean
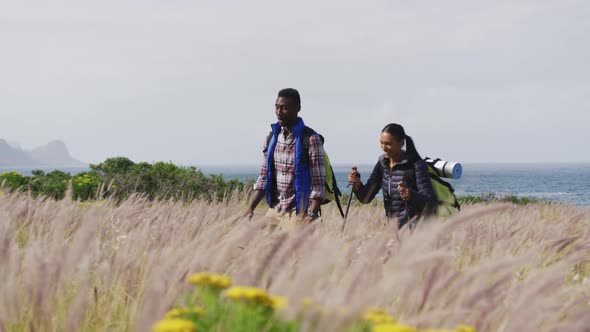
[[566, 183]]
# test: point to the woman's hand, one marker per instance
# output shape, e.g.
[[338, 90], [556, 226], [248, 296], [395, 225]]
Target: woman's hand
[[404, 191], [354, 178]]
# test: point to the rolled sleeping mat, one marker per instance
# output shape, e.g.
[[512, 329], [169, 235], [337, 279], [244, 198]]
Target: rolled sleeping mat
[[446, 169]]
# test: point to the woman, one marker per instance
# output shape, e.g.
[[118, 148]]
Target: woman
[[402, 175]]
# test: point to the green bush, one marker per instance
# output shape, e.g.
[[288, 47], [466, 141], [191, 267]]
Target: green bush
[[120, 177], [492, 198], [12, 180]]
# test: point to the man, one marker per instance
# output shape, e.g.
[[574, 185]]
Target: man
[[292, 175]]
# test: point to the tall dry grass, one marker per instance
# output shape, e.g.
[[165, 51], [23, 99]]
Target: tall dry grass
[[66, 266]]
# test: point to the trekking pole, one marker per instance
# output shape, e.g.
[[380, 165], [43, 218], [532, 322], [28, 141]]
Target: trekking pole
[[349, 200], [404, 184]]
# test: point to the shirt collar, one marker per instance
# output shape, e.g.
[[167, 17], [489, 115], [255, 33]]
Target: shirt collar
[[286, 132], [385, 160]]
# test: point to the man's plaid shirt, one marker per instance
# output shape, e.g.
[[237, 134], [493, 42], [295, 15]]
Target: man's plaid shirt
[[284, 163]]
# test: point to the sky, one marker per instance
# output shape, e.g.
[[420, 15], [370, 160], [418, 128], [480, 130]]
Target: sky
[[194, 82]]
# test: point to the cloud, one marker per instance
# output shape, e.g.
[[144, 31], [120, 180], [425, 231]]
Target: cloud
[[194, 82]]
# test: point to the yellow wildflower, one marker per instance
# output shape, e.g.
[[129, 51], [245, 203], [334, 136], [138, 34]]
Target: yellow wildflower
[[174, 313], [256, 295], [247, 293], [199, 278], [220, 281], [182, 312], [278, 302], [174, 325], [378, 316], [393, 328], [465, 328], [215, 280]]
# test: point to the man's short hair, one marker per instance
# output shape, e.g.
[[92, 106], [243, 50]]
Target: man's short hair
[[292, 94]]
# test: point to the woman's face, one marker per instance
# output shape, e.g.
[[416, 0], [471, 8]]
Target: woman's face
[[390, 145]]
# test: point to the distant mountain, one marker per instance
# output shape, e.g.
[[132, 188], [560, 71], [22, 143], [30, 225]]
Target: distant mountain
[[53, 154], [10, 156]]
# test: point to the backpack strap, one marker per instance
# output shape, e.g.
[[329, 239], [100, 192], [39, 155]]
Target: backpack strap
[[411, 173], [268, 138], [337, 192], [429, 209], [307, 132]]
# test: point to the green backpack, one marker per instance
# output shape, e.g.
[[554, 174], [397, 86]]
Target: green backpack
[[331, 189], [447, 204]]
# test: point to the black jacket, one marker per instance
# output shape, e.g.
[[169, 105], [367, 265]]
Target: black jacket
[[387, 179]]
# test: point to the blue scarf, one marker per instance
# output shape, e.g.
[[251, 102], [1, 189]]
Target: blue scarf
[[302, 173]]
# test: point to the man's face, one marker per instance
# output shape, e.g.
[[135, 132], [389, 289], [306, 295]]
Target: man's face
[[286, 111]]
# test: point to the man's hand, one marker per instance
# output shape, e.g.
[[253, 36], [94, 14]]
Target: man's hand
[[311, 218], [249, 213], [314, 210], [257, 197]]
